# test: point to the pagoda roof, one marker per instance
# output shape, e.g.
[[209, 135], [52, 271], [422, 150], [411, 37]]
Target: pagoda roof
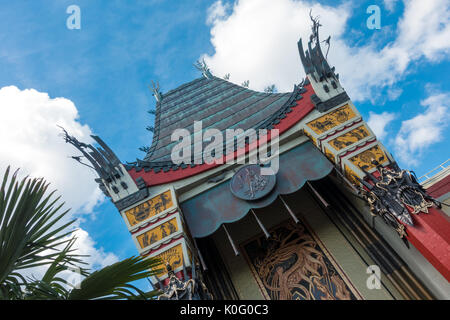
[[218, 103]]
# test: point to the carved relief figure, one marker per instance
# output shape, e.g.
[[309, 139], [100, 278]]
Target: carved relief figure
[[291, 265]]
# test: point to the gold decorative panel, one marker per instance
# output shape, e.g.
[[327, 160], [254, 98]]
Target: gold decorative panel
[[351, 175], [160, 232], [332, 119], [329, 154], [173, 256], [349, 138], [149, 208], [364, 159], [311, 137], [293, 264]]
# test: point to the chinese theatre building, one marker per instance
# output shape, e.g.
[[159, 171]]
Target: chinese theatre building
[[336, 218]]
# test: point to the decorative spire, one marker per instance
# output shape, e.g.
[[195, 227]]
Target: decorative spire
[[144, 149], [313, 60], [103, 160], [270, 89], [203, 67], [156, 91]]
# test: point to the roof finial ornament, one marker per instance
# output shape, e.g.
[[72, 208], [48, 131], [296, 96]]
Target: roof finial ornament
[[102, 159], [270, 89], [203, 67], [156, 92], [327, 42], [246, 83], [313, 60], [227, 76], [315, 26]]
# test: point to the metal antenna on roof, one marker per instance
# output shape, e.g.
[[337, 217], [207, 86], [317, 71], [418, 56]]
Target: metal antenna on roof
[[203, 67], [156, 92]]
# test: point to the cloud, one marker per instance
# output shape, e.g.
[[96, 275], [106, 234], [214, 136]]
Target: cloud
[[257, 41], [84, 245], [30, 140], [390, 5], [378, 123], [97, 257], [216, 12], [425, 129]]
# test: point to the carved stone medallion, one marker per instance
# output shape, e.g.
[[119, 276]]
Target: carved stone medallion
[[248, 183]]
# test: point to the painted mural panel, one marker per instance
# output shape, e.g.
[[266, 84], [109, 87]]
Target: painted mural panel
[[328, 154], [349, 138], [172, 256], [365, 158], [294, 265], [351, 175], [149, 208], [332, 119], [158, 233]]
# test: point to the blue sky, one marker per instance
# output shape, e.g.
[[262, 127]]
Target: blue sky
[[104, 69]]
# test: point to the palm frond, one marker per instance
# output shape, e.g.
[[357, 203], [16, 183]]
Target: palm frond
[[113, 282], [29, 218]]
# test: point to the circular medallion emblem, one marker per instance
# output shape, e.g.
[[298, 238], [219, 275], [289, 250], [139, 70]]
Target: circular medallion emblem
[[248, 183]]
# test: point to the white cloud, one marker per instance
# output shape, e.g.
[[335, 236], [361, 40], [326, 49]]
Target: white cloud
[[394, 93], [216, 12], [30, 140], [258, 41], [390, 5], [378, 123], [97, 257], [84, 245], [418, 133]]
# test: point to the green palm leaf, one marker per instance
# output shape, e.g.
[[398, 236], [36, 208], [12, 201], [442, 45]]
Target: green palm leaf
[[112, 282], [28, 228], [32, 234]]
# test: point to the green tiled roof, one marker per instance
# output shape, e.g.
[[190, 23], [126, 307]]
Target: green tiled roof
[[218, 103]]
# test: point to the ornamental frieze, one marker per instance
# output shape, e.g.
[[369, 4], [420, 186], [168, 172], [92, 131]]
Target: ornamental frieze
[[149, 208], [349, 138], [332, 119], [364, 160], [158, 233]]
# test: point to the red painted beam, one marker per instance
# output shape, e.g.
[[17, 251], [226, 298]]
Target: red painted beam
[[431, 236], [440, 188]]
